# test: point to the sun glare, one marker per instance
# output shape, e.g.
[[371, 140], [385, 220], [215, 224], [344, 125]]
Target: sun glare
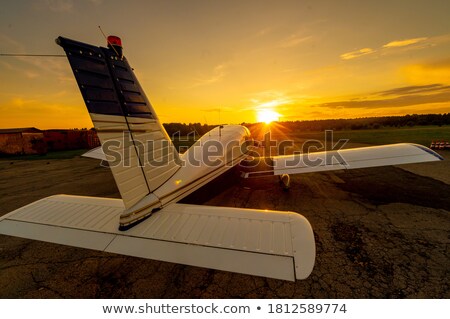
[[267, 116]]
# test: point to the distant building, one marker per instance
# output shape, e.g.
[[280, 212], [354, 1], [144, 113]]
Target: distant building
[[22, 141], [30, 140], [92, 138], [60, 140]]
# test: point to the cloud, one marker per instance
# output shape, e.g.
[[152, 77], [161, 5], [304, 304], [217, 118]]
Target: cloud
[[10, 44], [399, 46], [356, 54], [293, 41], [403, 43], [19, 101], [56, 67], [397, 97], [263, 32], [32, 67], [31, 74], [218, 73], [414, 89]]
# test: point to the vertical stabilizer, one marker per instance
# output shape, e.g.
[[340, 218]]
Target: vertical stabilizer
[[141, 154]]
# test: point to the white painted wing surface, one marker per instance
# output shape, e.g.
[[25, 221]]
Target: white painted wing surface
[[383, 155], [263, 243]]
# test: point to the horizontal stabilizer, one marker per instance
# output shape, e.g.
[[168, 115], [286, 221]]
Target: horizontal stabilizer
[[96, 153], [263, 243]]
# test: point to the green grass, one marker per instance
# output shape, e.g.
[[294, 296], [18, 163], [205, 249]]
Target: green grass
[[50, 155], [418, 134]]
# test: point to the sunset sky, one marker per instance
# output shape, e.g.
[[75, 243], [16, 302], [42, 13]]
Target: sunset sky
[[225, 61]]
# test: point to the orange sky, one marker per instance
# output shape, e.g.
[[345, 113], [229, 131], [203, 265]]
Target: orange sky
[[225, 61]]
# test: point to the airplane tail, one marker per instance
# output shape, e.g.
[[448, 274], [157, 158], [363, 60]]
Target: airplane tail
[[265, 243], [141, 154]]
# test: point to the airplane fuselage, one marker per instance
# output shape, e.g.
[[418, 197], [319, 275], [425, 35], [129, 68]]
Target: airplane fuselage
[[209, 157], [214, 153]]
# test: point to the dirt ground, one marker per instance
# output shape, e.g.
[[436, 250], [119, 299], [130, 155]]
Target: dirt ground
[[380, 233]]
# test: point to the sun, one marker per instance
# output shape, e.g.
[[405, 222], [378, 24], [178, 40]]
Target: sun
[[267, 116]]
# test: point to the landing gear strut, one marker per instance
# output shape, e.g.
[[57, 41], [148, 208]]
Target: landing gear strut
[[285, 182]]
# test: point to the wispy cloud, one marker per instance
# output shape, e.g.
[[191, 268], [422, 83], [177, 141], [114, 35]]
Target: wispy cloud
[[403, 43], [294, 40], [414, 89], [33, 67], [218, 73], [396, 97], [398, 46], [10, 44], [356, 54], [20, 102], [263, 32], [55, 67]]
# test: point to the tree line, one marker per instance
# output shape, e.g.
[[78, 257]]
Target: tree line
[[365, 123]]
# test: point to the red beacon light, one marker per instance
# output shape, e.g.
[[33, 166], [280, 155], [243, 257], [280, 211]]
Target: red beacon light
[[115, 43]]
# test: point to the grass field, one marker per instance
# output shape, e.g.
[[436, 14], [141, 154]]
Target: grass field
[[50, 155], [418, 134]]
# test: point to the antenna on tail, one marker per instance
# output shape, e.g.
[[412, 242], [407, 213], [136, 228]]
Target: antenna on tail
[[113, 42]]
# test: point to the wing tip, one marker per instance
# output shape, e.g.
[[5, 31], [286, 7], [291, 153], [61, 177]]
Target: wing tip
[[304, 245], [429, 151]]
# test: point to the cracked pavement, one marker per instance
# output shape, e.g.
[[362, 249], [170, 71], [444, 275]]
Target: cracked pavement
[[380, 233]]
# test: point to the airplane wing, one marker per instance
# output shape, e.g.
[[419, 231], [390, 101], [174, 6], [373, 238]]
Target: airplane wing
[[372, 156], [263, 243]]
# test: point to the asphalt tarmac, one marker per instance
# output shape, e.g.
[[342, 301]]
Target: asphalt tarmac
[[380, 233]]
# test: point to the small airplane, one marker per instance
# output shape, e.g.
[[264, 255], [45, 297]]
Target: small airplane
[[152, 177]]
